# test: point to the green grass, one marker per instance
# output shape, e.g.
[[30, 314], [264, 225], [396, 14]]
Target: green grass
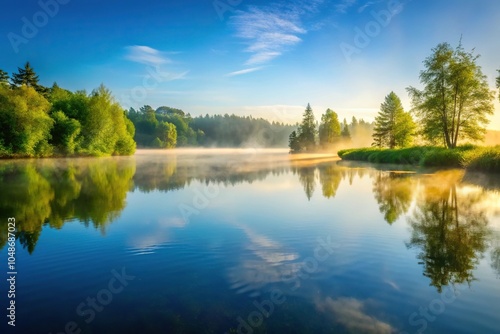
[[486, 159]]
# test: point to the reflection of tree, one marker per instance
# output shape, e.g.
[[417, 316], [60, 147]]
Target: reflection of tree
[[495, 254], [330, 177], [450, 229], [495, 260], [394, 193], [307, 179], [49, 192]]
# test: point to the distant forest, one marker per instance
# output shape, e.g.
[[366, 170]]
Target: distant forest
[[39, 121], [168, 127]]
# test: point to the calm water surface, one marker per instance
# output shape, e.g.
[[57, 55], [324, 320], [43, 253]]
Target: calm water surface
[[249, 242]]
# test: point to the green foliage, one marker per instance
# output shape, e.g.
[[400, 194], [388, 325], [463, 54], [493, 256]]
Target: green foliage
[[4, 78], [456, 98], [304, 138], [92, 124], [170, 111], [65, 133], [236, 131], [393, 126], [167, 132], [486, 159], [329, 129], [151, 129], [26, 76], [24, 122], [56, 121], [293, 142], [157, 143], [217, 130], [307, 130]]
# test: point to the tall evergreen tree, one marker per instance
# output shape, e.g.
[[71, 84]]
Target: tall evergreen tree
[[346, 134], [456, 99], [329, 129], [27, 76], [393, 126], [293, 142], [307, 130], [4, 78], [354, 126]]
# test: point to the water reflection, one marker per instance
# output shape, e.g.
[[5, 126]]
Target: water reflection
[[446, 211], [53, 192], [330, 177], [450, 229], [394, 193]]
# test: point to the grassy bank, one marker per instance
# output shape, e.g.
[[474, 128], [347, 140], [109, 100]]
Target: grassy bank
[[486, 159]]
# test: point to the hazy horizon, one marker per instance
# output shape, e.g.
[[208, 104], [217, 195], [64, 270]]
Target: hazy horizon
[[259, 58]]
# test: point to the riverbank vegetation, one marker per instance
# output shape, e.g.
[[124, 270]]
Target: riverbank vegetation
[[448, 117], [486, 159], [37, 121]]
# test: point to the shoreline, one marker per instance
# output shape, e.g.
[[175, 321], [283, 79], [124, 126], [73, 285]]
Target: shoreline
[[470, 158]]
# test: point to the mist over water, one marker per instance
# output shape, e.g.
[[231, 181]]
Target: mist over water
[[211, 233]]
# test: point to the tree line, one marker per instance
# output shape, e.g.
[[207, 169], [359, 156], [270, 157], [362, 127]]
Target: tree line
[[452, 107], [328, 134], [168, 127], [39, 121]]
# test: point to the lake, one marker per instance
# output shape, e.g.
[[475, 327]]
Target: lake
[[249, 241]]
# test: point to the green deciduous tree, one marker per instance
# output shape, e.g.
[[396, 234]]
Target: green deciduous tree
[[329, 129], [393, 126], [167, 134], [456, 98], [64, 134], [24, 122], [104, 128]]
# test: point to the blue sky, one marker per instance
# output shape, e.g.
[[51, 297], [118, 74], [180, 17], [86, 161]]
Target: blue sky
[[245, 57]]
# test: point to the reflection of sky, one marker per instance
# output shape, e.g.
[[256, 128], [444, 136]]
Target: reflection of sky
[[351, 313], [249, 239], [278, 227]]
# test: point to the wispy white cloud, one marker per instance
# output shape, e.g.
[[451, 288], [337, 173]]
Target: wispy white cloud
[[268, 31], [344, 5], [146, 55], [366, 5], [245, 71]]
